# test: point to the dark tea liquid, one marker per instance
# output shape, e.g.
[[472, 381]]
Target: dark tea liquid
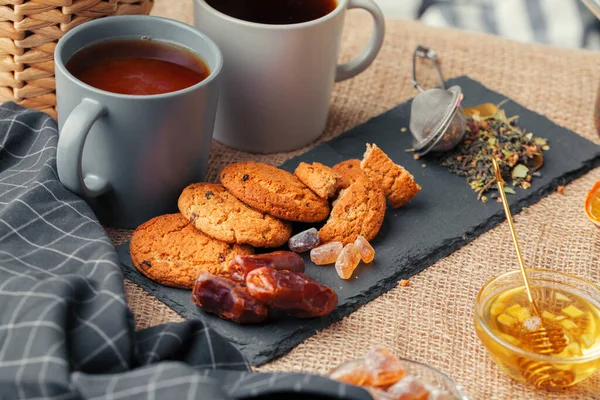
[[275, 12], [137, 67]]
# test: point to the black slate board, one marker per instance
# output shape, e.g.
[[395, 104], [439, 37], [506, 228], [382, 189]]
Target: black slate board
[[443, 217]]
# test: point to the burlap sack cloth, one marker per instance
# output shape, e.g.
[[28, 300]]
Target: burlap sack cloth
[[432, 319]]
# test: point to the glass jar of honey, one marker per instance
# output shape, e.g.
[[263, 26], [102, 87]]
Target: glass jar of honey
[[501, 313]]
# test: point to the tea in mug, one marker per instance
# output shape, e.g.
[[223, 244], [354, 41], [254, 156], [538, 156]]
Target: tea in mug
[[275, 12], [137, 67]]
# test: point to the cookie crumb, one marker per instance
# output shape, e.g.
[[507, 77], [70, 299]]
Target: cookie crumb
[[423, 165], [404, 282], [560, 189], [416, 156], [403, 129], [245, 177], [484, 199]]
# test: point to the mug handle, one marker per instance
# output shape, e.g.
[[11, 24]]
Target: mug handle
[[366, 57], [69, 152]]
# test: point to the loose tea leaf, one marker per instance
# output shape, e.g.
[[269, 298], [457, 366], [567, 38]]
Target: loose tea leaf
[[489, 134], [520, 171]]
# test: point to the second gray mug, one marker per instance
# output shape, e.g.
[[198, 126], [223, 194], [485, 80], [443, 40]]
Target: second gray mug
[[277, 79], [129, 156]]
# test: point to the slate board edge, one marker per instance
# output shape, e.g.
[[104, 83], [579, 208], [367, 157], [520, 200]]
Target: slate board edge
[[445, 248]]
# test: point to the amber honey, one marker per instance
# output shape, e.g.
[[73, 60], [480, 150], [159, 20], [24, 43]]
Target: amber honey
[[504, 319]]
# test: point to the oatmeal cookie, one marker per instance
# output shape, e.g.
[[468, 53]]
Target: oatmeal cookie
[[350, 171], [321, 179], [359, 210], [170, 251], [219, 214], [398, 184], [273, 191]]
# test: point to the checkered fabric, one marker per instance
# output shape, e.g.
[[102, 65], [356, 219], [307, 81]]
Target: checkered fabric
[[65, 329]]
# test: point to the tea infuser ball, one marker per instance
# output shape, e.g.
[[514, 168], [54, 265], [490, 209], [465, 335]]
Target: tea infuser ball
[[437, 122]]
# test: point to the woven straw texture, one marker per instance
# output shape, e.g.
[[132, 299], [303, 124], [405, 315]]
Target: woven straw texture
[[431, 319], [29, 31]]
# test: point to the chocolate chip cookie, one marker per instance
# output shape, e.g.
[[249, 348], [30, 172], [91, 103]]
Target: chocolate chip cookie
[[358, 210], [219, 214], [274, 191], [170, 251], [321, 179], [397, 183], [350, 171]]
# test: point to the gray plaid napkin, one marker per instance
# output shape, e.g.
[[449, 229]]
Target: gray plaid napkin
[[65, 329]]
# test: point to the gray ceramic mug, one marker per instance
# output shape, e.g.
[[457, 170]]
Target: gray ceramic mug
[[130, 156], [277, 79]]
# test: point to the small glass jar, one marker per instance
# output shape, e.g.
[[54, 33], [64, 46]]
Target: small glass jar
[[519, 363], [428, 376]]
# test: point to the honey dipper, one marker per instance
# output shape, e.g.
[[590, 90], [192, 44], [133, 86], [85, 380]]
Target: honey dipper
[[545, 339]]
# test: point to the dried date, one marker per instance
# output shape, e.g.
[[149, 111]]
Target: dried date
[[294, 292], [227, 299], [240, 266]]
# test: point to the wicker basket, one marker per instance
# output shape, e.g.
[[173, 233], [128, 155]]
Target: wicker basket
[[29, 31]]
